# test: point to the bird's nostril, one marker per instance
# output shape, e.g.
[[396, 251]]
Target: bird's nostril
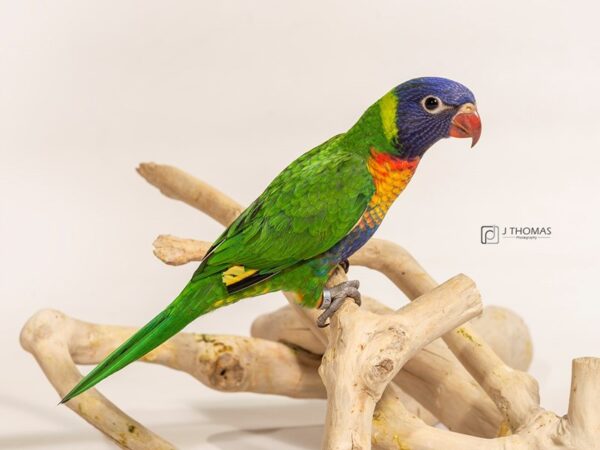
[[468, 108]]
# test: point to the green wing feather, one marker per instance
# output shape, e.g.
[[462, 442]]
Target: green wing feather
[[305, 211]]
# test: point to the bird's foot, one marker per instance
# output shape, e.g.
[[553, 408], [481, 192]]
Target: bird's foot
[[334, 298], [345, 264]]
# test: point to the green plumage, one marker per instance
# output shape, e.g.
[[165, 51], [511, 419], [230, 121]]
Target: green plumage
[[307, 209], [315, 213]]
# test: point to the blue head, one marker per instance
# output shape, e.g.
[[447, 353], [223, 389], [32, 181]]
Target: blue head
[[420, 112]]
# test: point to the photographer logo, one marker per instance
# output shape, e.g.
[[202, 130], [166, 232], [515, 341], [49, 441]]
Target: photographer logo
[[490, 234]]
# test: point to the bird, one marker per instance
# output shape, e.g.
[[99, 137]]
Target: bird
[[314, 215]]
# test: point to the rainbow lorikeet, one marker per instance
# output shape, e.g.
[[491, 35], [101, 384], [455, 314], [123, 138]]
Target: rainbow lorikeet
[[317, 212]]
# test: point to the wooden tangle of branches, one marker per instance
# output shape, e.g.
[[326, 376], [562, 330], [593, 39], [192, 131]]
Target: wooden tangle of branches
[[385, 374]]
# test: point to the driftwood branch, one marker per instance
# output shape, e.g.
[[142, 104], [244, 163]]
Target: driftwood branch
[[433, 376], [514, 392], [179, 185], [367, 350], [413, 280], [224, 363], [49, 336], [373, 362]]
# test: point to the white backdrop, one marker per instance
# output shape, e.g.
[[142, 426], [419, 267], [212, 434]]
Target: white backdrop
[[232, 91]]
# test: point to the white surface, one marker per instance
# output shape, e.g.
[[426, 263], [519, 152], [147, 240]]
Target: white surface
[[233, 91]]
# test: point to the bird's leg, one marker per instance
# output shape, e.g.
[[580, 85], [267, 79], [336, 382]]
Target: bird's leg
[[345, 264], [334, 298]]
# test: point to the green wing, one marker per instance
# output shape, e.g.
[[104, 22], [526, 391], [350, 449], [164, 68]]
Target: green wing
[[304, 212]]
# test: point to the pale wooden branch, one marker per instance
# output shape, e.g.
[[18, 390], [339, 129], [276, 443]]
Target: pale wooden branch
[[180, 185], [514, 392], [433, 376], [367, 350], [507, 334], [228, 363], [177, 251], [393, 261], [584, 404], [361, 364], [394, 427], [501, 328], [48, 335], [225, 363], [437, 378], [284, 325]]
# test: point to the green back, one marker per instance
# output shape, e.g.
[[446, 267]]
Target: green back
[[305, 211]]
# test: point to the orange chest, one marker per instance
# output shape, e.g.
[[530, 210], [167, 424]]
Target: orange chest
[[390, 175]]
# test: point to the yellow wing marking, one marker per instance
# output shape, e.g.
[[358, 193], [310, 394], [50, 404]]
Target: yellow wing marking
[[235, 274]]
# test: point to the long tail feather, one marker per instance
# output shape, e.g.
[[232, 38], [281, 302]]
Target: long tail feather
[[182, 311]]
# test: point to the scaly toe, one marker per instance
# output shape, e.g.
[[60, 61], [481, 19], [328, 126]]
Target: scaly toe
[[322, 320], [334, 298]]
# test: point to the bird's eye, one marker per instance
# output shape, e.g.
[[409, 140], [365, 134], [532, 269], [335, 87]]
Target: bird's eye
[[432, 104]]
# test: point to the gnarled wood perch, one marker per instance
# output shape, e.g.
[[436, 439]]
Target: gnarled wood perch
[[385, 377]]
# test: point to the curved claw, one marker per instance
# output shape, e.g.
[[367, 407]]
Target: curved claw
[[334, 298], [345, 265]]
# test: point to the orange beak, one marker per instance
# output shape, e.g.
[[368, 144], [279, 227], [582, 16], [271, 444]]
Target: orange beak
[[466, 123]]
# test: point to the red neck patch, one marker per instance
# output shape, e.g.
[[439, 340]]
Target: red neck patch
[[391, 162]]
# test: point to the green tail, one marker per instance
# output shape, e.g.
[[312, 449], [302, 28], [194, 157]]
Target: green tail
[[193, 301]]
